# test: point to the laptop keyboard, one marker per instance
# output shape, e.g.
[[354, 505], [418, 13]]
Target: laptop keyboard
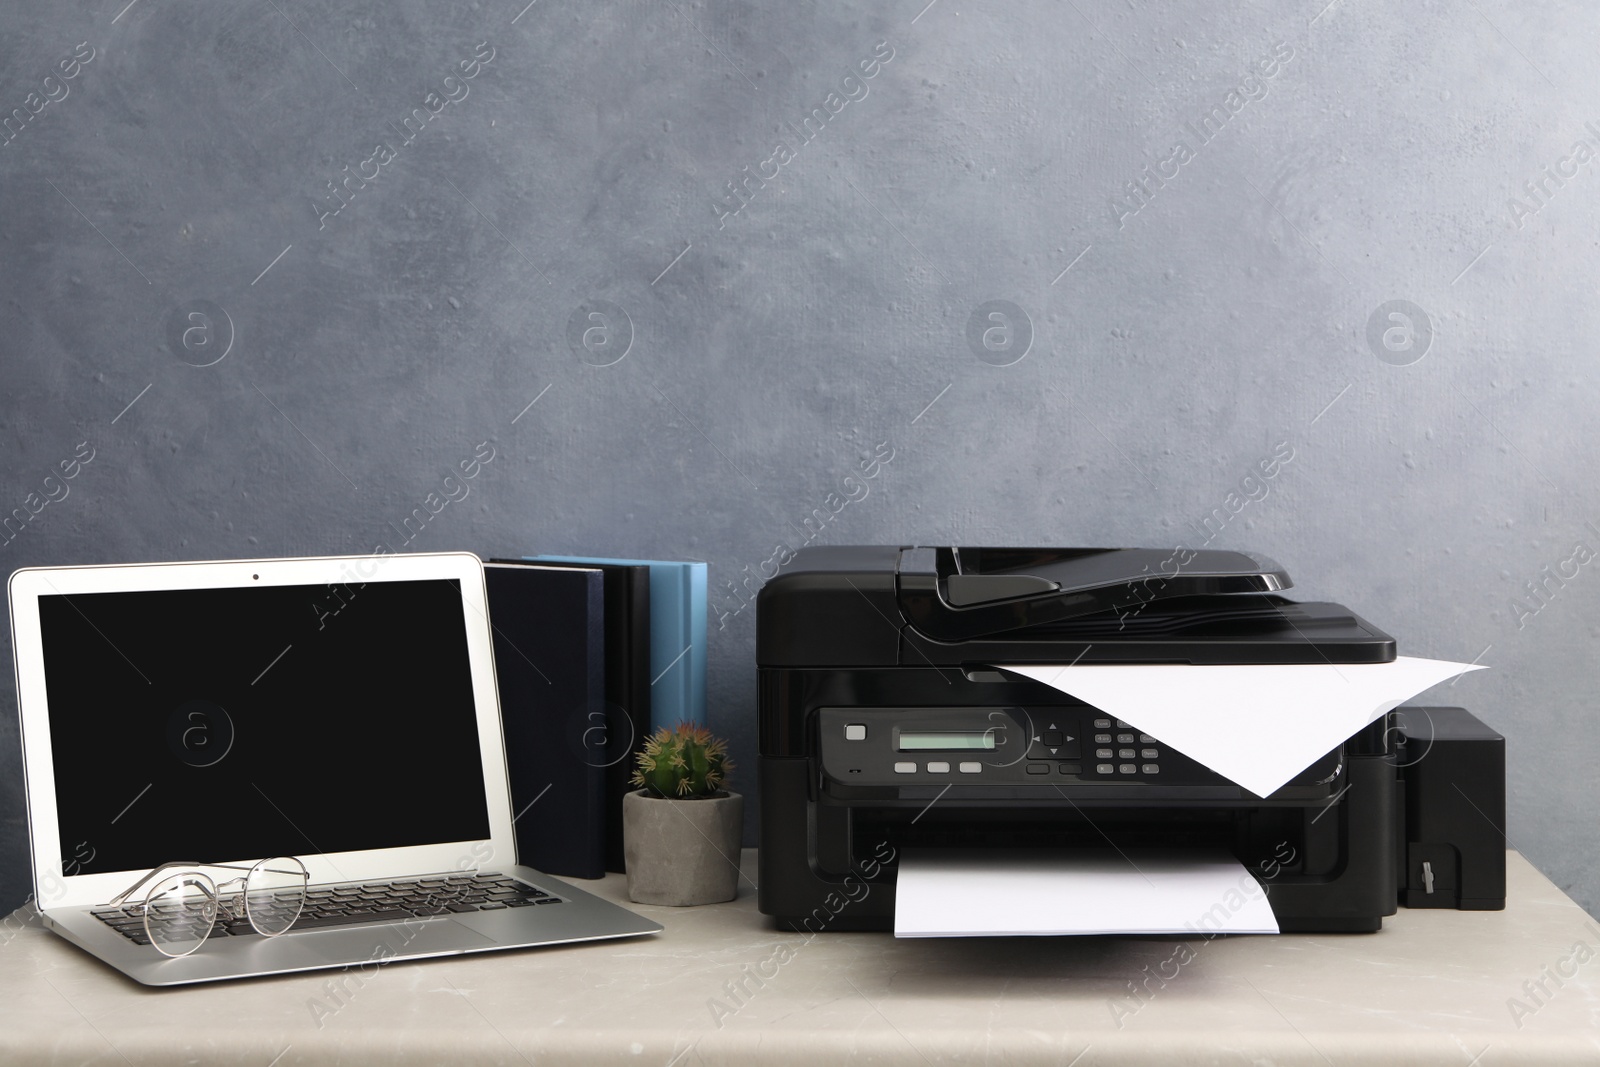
[[364, 902]]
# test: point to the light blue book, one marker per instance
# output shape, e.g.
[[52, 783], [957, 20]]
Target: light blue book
[[677, 636]]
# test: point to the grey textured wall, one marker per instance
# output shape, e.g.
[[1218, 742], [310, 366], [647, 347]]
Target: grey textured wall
[[1174, 314]]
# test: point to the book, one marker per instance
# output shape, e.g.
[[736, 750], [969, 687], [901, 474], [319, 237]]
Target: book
[[550, 660], [677, 635], [627, 692]]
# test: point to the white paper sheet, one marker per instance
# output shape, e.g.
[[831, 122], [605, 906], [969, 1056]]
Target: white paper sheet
[[991, 893], [1258, 724]]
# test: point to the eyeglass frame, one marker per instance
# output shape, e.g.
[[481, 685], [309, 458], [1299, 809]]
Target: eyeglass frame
[[215, 892]]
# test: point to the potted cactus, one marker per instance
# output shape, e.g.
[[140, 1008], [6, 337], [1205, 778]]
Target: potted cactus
[[681, 829]]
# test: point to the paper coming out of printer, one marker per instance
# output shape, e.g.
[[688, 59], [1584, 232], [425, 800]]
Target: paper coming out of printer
[[1258, 725], [991, 892]]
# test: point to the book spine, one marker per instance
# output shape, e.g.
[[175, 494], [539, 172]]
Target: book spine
[[698, 654]]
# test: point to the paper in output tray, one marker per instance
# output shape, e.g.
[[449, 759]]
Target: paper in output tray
[[1255, 724], [993, 893]]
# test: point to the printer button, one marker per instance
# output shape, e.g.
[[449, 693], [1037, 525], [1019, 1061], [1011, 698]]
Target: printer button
[[1151, 768], [1122, 725], [1052, 739], [939, 767], [1149, 753], [1102, 739], [1070, 768], [1103, 768], [1124, 753], [1146, 739], [1127, 768], [1102, 724], [971, 768], [1103, 753], [855, 731], [1124, 739], [905, 768], [1038, 768]]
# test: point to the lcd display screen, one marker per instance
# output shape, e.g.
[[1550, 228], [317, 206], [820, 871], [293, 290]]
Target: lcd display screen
[[218, 724], [962, 740]]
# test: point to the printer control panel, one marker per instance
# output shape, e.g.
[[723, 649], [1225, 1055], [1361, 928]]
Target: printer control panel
[[992, 746]]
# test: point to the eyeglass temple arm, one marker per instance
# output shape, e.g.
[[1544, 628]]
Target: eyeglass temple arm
[[120, 897]]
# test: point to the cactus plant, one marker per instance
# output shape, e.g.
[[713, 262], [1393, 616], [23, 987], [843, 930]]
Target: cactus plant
[[684, 762]]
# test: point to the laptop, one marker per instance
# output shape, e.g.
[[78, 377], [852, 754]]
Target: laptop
[[341, 711]]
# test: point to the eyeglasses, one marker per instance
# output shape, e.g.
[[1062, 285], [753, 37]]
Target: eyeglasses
[[183, 904]]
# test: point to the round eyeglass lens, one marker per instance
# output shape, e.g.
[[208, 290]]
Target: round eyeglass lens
[[274, 893], [179, 911]]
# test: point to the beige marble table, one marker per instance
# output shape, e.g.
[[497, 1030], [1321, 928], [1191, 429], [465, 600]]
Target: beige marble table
[[721, 986]]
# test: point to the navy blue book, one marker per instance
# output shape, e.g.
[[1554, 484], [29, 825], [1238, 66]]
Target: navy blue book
[[549, 661], [628, 693]]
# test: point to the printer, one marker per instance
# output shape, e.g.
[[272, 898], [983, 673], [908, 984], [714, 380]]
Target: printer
[[889, 723]]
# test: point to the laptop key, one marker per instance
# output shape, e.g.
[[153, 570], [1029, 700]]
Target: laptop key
[[320, 922]]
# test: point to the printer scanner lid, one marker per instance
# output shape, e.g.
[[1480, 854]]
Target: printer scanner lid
[[890, 605], [961, 593]]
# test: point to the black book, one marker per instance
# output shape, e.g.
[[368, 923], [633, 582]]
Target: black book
[[626, 712], [549, 660]]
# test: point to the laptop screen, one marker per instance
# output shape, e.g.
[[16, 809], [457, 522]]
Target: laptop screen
[[215, 724]]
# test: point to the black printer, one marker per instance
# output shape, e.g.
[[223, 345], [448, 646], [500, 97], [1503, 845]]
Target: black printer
[[888, 721]]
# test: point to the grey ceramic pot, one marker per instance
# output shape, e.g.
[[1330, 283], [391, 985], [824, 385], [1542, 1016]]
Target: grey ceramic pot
[[682, 852]]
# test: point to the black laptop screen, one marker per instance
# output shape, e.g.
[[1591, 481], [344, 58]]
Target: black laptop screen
[[208, 724]]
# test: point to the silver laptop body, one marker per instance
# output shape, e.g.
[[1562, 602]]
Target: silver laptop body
[[341, 710]]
